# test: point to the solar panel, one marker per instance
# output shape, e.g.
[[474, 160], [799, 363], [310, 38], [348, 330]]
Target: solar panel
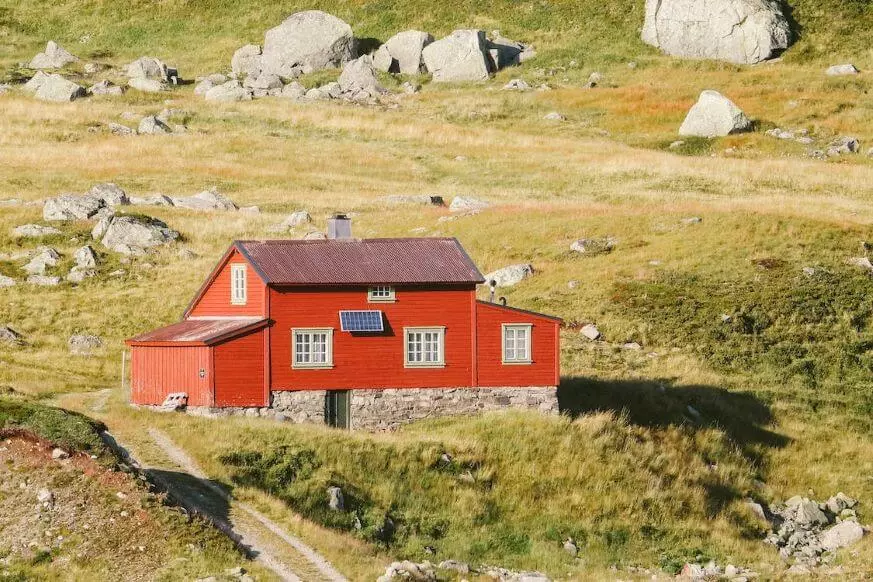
[[361, 321]]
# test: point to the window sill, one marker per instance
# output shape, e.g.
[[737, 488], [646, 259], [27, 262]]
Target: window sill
[[372, 300], [519, 363], [426, 366], [311, 366], [239, 303]]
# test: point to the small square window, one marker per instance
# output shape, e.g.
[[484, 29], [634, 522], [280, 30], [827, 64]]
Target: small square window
[[312, 348], [425, 347], [381, 294], [516, 343], [238, 294]]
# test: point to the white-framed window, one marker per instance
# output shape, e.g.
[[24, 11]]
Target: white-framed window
[[312, 348], [516, 343], [238, 294], [380, 294], [425, 347]]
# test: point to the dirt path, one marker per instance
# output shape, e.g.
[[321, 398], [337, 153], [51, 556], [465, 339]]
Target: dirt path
[[286, 555]]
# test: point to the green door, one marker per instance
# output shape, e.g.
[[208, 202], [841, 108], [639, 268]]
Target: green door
[[337, 410]]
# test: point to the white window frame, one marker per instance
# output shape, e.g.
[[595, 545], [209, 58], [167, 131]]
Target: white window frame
[[381, 294], [328, 363], [525, 358], [238, 295], [440, 361]]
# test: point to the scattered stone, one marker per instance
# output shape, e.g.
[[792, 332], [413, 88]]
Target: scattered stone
[[336, 501], [554, 116], [358, 79], [594, 79], [72, 207], [187, 255], [9, 336], [59, 454], [293, 220], [632, 346], [461, 56], [54, 57], [516, 85], [109, 194], [43, 280], [570, 547], [46, 498], [56, 88], [407, 570], [293, 90], [410, 88], [737, 31], [151, 125], [250, 210], [714, 115], [844, 145], [210, 199], [85, 257], [676, 144], [94, 68], [305, 42], [861, 263], [45, 257], [839, 70], [147, 85], [131, 235], [79, 274], [593, 246], [34, 231], [106, 87], [118, 129], [402, 53], [467, 204], [7, 281], [246, 61], [83, 344], [511, 275], [691, 220], [757, 509], [230, 91], [150, 68], [590, 331]]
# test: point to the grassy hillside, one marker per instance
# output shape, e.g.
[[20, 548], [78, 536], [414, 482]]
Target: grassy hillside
[[782, 385]]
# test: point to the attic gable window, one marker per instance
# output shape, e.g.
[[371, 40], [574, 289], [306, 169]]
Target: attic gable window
[[381, 294], [238, 294], [516, 343]]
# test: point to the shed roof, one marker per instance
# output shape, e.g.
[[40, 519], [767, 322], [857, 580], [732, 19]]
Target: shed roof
[[361, 261], [202, 332]]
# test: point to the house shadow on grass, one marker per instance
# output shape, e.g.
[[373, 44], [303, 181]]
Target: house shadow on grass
[[742, 416], [662, 403]]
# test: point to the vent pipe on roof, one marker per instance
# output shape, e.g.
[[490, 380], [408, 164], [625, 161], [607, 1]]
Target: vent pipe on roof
[[339, 227]]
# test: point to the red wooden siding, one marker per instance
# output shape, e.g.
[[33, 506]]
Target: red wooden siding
[[543, 371], [373, 361], [216, 298], [158, 371], [239, 371]]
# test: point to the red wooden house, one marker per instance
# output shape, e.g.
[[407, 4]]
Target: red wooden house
[[356, 333]]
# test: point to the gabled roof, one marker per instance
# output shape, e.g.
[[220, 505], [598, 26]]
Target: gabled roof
[[199, 332], [361, 261]]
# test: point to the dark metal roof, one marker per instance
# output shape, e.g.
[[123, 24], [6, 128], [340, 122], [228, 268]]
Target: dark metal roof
[[200, 331], [361, 262]]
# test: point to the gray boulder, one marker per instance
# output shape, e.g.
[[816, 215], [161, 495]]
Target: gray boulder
[[43, 280], [714, 115], [840, 70], [737, 31], [110, 194], [35, 82], [83, 344], [208, 82], [10, 336], [147, 85], [335, 499], [517, 85], [841, 535], [293, 90], [7, 281], [72, 207], [358, 78], [105, 87], [467, 204], [307, 41], [807, 512], [246, 61], [264, 81], [149, 68], [132, 235], [593, 246], [511, 275], [54, 57], [590, 331], [34, 231], [210, 199], [461, 56], [55, 88], [119, 129], [45, 257], [402, 53], [151, 125], [505, 52], [79, 274], [293, 220], [230, 91], [85, 257]]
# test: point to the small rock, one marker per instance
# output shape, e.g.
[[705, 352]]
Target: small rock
[[34, 231], [106, 87], [517, 85], [336, 501], [861, 262], [467, 204], [570, 547], [151, 125], [593, 246], [83, 344], [6, 281], [43, 280], [86, 257], [59, 454], [714, 115], [45, 497], [10, 336], [118, 129], [554, 116], [632, 346], [676, 144], [838, 70], [691, 220], [590, 331]]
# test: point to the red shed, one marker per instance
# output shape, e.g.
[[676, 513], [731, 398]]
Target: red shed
[[358, 333]]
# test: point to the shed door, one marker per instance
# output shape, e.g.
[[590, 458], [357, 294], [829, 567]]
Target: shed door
[[337, 408]]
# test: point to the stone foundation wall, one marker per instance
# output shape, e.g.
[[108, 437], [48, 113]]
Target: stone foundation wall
[[389, 408]]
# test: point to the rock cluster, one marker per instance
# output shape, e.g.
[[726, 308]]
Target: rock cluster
[[132, 235], [807, 531], [737, 31], [427, 572], [99, 201]]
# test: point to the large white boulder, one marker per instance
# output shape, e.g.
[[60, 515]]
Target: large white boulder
[[461, 56], [841, 535], [737, 31], [55, 88], [511, 275], [54, 57], [714, 115], [402, 53], [307, 41]]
